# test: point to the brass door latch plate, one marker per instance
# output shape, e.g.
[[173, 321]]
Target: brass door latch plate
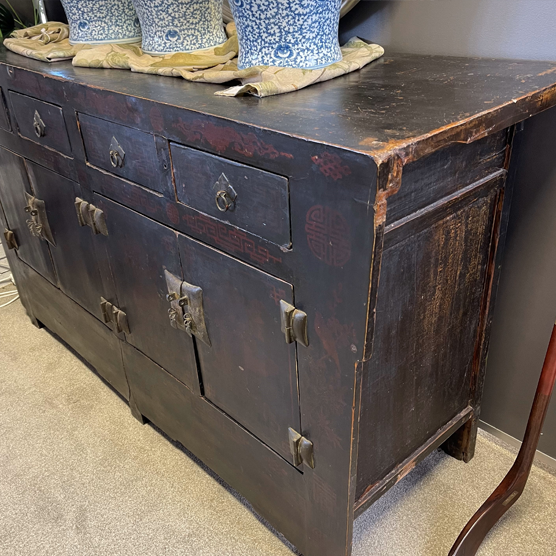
[[186, 307], [11, 241], [112, 315], [38, 222]]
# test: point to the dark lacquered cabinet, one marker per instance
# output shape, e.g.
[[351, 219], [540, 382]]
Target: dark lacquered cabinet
[[298, 289]]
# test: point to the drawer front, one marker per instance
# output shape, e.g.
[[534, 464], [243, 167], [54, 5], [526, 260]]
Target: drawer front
[[132, 154], [41, 122], [251, 199]]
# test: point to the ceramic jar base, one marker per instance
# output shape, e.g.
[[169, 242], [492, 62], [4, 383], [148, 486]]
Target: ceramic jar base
[[102, 21], [287, 33], [172, 26]]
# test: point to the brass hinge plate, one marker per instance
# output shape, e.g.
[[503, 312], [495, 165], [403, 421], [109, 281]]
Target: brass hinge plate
[[301, 449], [294, 324], [89, 215], [186, 310], [11, 241], [112, 315]]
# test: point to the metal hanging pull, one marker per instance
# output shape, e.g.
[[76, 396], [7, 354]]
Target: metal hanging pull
[[38, 125], [301, 449], [294, 324], [186, 307], [225, 195], [89, 215], [117, 154], [38, 222]]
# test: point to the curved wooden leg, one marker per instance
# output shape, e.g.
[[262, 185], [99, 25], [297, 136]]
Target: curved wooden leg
[[511, 488]]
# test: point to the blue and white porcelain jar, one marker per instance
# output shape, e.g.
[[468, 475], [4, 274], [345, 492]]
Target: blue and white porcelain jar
[[180, 25], [287, 33], [102, 21]]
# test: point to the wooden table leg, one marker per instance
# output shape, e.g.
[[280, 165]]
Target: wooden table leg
[[511, 488]]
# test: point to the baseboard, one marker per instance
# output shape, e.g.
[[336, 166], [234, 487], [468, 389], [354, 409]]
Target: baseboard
[[541, 459]]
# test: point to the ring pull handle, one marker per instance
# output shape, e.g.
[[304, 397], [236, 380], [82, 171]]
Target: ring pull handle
[[38, 125], [225, 195], [117, 154], [224, 201]]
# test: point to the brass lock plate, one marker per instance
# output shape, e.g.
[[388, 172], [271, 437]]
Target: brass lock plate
[[186, 307], [38, 222]]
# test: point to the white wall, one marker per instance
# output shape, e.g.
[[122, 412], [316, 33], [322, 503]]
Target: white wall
[[493, 28]]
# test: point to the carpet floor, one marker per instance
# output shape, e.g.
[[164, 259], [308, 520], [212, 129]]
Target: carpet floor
[[80, 476]]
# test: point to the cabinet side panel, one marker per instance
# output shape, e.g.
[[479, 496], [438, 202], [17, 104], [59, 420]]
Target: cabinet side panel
[[428, 309]]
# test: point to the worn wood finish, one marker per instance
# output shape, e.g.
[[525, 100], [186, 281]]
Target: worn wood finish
[[140, 250], [386, 208], [73, 255], [4, 118], [145, 158], [260, 200], [55, 135], [513, 485], [249, 370], [14, 183]]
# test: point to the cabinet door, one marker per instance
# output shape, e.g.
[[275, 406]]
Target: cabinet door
[[14, 185], [140, 250], [248, 370], [73, 250]]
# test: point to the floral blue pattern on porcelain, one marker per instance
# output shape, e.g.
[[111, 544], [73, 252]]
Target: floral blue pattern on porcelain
[[102, 21], [180, 25], [287, 33]]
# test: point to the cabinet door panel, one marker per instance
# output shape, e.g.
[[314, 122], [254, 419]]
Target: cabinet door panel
[[249, 370], [140, 251], [14, 184], [73, 253]]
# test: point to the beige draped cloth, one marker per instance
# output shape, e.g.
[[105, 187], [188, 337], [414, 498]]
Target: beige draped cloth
[[49, 42]]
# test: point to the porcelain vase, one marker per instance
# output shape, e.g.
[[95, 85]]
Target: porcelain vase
[[287, 33], [171, 26], [102, 21]]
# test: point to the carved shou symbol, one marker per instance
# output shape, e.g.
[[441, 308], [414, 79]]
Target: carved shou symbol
[[328, 235]]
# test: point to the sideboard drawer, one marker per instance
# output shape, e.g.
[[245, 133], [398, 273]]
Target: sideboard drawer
[[41, 122], [246, 197], [127, 152]]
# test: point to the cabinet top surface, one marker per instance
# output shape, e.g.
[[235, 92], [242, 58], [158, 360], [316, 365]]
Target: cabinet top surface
[[402, 104]]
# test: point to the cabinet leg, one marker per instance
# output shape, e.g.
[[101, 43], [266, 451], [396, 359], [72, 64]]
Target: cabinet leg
[[461, 445], [135, 411]]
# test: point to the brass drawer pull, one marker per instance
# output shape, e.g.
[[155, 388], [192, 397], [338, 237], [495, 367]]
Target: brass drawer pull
[[226, 196], [117, 154], [38, 125], [224, 201]]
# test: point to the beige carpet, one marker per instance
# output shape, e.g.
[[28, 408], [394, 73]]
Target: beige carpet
[[79, 476]]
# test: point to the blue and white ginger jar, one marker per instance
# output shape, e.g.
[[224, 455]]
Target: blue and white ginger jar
[[287, 33], [102, 21], [180, 25]]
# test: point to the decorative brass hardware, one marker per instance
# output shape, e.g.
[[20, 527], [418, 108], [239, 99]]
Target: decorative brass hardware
[[117, 154], [89, 215], [38, 223], [186, 307], [11, 241], [225, 197], [301, 449], [38, 125], [294, 324], [111, 314]]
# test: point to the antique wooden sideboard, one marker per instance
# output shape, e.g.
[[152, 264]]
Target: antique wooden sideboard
[[299, 288]]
